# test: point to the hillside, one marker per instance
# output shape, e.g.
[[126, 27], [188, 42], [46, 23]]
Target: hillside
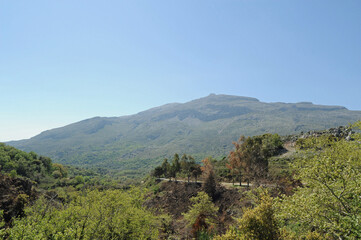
[[202, 127]]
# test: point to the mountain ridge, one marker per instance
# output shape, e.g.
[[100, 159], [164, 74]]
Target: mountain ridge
[[201, 127]]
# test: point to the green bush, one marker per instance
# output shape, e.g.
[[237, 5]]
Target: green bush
[[111, 214]]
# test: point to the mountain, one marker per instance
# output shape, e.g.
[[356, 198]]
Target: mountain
[[202, 127]]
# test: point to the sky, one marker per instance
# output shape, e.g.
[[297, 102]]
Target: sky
[[65, 61]]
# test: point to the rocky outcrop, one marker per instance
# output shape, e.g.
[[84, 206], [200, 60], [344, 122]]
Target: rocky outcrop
[[340, 132]]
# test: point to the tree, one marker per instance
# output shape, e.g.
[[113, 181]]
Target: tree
[[46, 162], [255, 160], [166, 168], [158, 172], [175, 163], [203, 212], [196, 171], [234, 161], [207, 167], [176, 167], [28, 165], [111, 214], [187, 165], [258, 223], [60, 169], [271, 145], [209, 184], [250, 157], [172, 173], [79, 179], [330, 170]]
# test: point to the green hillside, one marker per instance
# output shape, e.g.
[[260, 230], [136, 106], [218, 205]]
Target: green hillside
[[201, 127]]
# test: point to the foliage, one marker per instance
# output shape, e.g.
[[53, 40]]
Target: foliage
[[60, 170], [258, 223], [176, 167], [111, 214], [250, 157], [207, 167], [221, 170], [327, 207], [196, 171], [166, 168], [210, 183], [330, 201], [158, 172], [19, 163], [203, 127], [202, 207], [2, 224], [187, 166]]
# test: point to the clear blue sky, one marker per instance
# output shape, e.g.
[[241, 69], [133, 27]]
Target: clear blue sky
[[64, 61]]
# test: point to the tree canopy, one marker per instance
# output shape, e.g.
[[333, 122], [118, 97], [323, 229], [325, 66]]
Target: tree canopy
[[330, 170], [249, 160], [111, 214]]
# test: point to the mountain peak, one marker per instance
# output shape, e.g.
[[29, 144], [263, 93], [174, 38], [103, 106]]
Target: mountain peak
[[202, 127], [229, 97]]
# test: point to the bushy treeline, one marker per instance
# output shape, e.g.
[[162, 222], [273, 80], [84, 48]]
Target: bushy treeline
[[25, 176], [326, 205], [329, 203], [30, 165], [47, 174], [248, 162], [109, 214], [186, 166]]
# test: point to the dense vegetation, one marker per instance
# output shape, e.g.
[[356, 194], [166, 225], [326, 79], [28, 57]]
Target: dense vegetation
[[29, 165], [312, 192], [250, 157], [110, 214], [329, 202], [134, 144], [186, 166], [46, 174]]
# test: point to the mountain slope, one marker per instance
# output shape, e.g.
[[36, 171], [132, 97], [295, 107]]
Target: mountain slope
[[201, 127]]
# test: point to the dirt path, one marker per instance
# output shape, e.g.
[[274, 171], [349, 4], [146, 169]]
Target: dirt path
[[290, 147], [224, 184]]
